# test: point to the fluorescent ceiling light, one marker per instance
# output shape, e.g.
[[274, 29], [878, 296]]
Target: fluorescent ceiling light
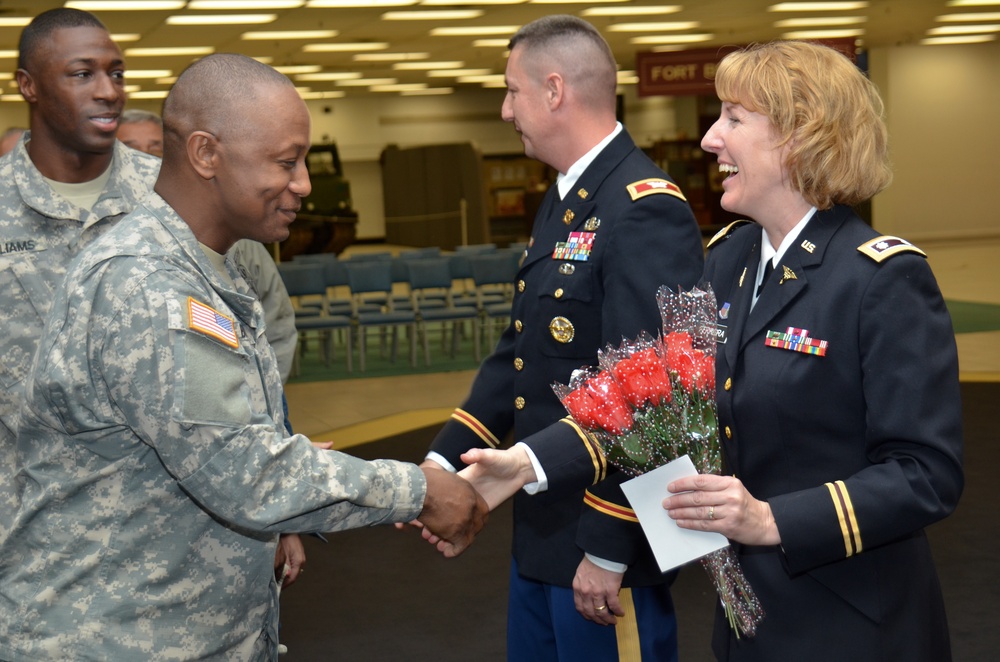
[[149, 94], [132, 89], [672, 39], [14, 21], [264, 59], [11, 97], [488, 78], [125, 5], [491, 43], [817, 6], [425, 66], [433, 15], [328, 76], [962, 18], [963, 29], [291, 69], [329, 94], [973, 3], [366, 82], [220, 19], [158, 52], [389, 57], [7, 75], [823, 34], [399, 87], [455, 73], [147, 73], [958, 39], [243, 5], [649, 10], [819, 22], [5, 54], [346, 47], [653, 27], [475, 31], [427, 91], [166, 81], [572, 2], [278, 35], [366, 4], [130, 36], [469, 3]]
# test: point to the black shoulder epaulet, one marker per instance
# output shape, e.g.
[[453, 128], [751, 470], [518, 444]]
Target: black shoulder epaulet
[[644, 187], [884, 247], [724, 232]]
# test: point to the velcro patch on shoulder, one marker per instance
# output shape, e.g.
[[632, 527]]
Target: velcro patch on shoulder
[[724, 232], [207, 320], [884, 247], [646, 187]]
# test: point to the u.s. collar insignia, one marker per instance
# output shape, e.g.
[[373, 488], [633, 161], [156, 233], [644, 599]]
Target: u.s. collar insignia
[[788, 274], [562, 330], [808, 246], [591, 224], [582, 193], [568, 216]]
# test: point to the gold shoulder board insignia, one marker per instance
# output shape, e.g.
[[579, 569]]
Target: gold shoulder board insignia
[[724, 232], [884, 247], [646, 187]]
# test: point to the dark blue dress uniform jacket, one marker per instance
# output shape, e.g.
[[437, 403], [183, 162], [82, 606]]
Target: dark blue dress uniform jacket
[[640, 244], [856, 450]]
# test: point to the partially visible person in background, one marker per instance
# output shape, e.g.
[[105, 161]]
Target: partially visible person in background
[[63, 185], [142, 130], [837, 375], [9, 139]]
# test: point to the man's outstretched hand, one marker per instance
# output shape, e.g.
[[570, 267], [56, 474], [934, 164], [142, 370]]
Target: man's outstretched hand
[[453, 511]]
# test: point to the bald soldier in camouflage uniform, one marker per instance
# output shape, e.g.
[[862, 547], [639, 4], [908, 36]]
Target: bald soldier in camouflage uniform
[[152, 434], [64, 184]]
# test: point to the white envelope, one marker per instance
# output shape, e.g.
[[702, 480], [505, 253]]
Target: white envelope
[[672, 546]]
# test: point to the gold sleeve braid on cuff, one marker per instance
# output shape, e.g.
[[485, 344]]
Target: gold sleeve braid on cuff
[[609, 508], [594, 448], [480, 430], [846, 517]]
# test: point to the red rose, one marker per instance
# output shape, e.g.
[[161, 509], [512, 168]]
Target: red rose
[[613, 414], [643, 378]]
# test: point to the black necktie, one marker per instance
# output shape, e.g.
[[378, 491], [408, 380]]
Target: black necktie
[[768, 269]]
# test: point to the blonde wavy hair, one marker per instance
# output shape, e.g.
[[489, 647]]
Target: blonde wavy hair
[[823, 107]]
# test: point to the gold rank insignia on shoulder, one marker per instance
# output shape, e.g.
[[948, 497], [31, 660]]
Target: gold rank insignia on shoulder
[[884, 247], [568, 216], [644, 187], [724, 232]]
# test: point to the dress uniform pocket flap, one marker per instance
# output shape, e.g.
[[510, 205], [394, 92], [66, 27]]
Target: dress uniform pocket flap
[[853, 581], [568, 284]]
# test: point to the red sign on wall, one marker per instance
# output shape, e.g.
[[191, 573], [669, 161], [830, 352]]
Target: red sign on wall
[[689, 72]]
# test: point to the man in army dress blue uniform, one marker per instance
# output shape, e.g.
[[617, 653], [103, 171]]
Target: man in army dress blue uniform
[[158, 473], [607, 235]]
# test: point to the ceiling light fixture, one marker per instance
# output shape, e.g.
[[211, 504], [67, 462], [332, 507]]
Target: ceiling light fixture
[[149, 94], [651, 40], [491, 43], [649, 10], [221, 19], [164, 52], [428, 91], [389, 57], [278, 35], [819, 22], [364, 4], [14, 21], [973, 3], [823, 34], [817, 6], [398, 87], [653, 27], [963, 29], [433, 15], [125, 5], [148, 73], [367, 82], [455, 73], [425, 66], [244, 5], [328, 76], [958, 39], [129, 36], [346, 47], [290, 69], [475, 31], [329, 94], [962, 18]]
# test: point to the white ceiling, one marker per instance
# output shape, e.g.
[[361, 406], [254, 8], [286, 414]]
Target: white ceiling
[[732, 22]]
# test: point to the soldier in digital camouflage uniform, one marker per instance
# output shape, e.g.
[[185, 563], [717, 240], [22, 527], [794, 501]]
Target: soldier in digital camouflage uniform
[[65, 183], [160, 476]]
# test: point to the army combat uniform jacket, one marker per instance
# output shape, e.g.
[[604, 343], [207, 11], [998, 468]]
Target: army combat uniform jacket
[[589, 278], [839, 405], [157, 473], [40, 232]]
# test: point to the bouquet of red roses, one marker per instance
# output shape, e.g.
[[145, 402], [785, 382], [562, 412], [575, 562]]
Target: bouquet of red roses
[[651, 401]]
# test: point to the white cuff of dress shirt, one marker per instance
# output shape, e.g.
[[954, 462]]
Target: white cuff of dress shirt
[[542, 483], [437, 457], [605, 564]]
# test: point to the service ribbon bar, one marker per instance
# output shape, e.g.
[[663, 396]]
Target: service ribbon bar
[[576, 247], [796, 340]]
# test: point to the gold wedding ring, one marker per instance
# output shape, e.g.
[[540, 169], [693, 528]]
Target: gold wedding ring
[[601, 608], [711, 512]]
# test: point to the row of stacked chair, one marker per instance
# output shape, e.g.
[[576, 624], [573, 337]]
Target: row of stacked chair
[[411, 290]]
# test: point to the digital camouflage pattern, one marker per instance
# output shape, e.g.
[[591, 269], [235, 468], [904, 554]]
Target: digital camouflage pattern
[[40, 232], [159, 473]]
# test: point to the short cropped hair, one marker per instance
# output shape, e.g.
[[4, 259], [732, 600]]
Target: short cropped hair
[[820, 103], [137, 115], [42, 27], [584, 56]]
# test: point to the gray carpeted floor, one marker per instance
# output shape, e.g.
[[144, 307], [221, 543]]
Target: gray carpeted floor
[[380, 595]]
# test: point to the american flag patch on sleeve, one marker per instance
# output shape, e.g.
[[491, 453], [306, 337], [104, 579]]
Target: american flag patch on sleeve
[[211, 322]]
